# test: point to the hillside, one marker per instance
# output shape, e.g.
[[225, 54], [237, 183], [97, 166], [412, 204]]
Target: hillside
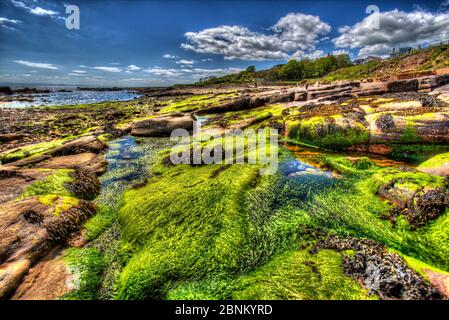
[[334, 68]]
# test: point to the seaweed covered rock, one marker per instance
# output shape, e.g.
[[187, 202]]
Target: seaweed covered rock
[[383, 273], [334, 132], [437, 165], [418, 196]]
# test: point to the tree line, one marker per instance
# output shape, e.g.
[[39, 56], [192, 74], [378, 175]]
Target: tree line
[[292, 71]]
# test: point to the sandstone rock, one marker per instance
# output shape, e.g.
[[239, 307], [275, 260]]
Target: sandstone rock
[[161, 127], [28, 229], [49, 279], [430, 128], [236, 105], [81, 145]]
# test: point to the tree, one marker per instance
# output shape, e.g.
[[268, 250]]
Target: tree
[[343, 61], [291, 71], [251, 69]]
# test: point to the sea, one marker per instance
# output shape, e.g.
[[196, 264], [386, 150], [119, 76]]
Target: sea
[[72, 97]]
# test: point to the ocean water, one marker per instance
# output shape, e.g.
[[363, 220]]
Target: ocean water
[[56, 98]]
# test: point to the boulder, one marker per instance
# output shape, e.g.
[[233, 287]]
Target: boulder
[[162, 126], [85, 144], [5, 90]]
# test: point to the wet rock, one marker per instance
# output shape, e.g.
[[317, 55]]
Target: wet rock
[[381, 272], [161, 127]]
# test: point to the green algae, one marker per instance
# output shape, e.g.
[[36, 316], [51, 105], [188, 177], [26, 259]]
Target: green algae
[[292, 275], [54, 184], [436, 161], [86, 267]]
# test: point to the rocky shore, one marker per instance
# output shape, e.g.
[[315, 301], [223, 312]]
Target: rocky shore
[[381, 232]]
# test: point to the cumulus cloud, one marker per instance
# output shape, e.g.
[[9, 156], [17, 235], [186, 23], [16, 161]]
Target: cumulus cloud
[[169, 56], [38, 11], [108, 69], [300, 55], [194, 72], [397, 29], [133, 67], [186, 62], [36, 64], [295, 31]]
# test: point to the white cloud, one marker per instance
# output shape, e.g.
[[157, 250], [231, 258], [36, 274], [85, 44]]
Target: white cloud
[[78, 71], [133, 67], [36, 65], [397, 29], [75, 74], [108, 69], [38, 11], [164, 72], [194, 72], [169, 56], [6, 20], [186, 62], [7, 23], [300, 55], [295, 31], [82, 66], [42, 12]]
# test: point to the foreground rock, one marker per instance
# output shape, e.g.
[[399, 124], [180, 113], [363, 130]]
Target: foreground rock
[[31, 227], [162, 127]]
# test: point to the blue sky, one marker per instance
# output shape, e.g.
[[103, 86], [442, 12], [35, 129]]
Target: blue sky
[[152, 43]]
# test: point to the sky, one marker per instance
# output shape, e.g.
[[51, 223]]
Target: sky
[[159, 43]]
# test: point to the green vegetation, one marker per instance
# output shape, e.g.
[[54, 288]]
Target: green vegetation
[[31, 150], [436, 161], [86, 266], [54, 184], [294, 275]]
